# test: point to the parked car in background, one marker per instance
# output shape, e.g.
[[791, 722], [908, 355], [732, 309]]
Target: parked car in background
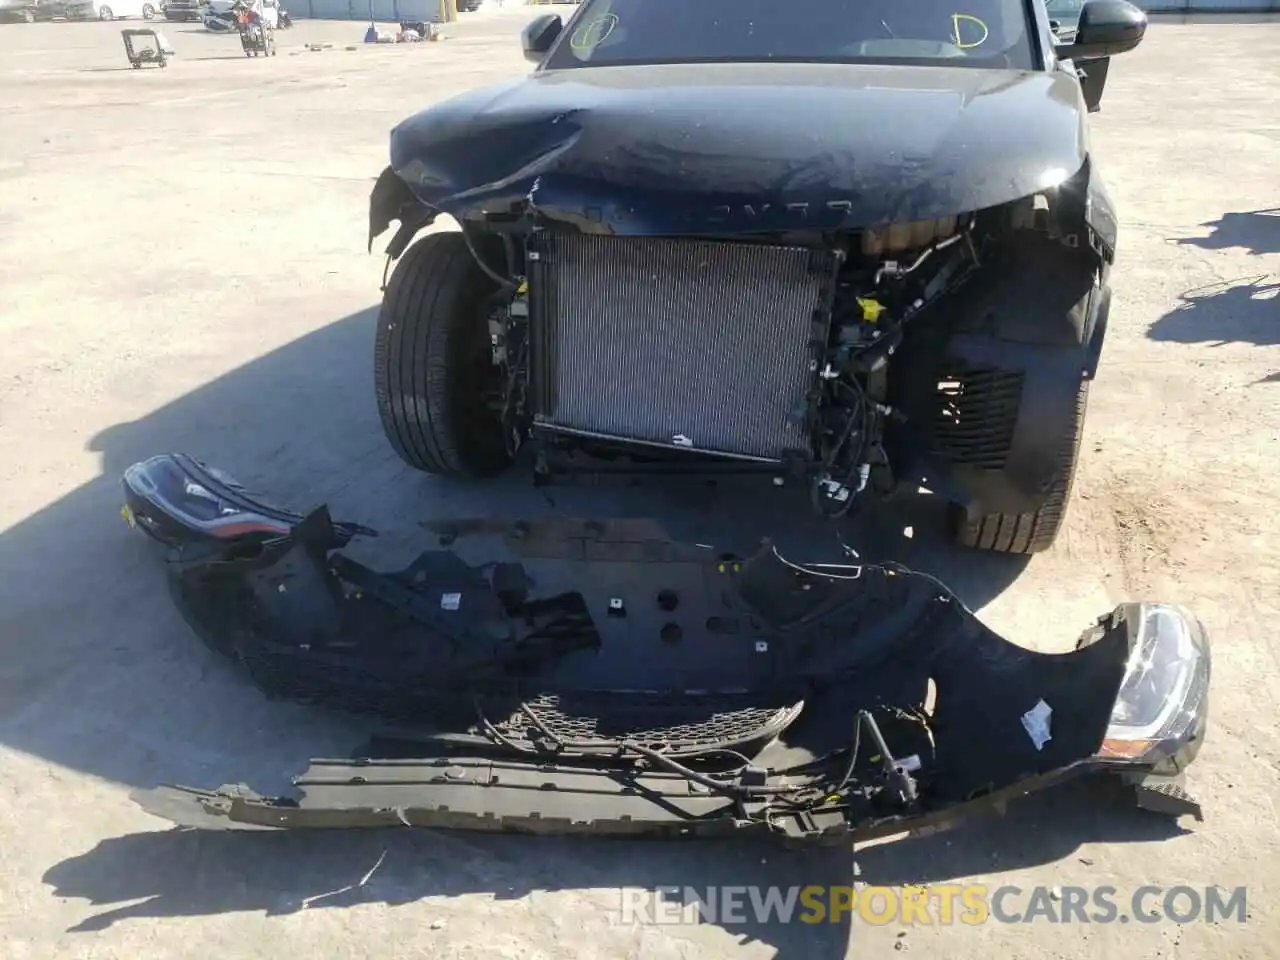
[[182, 10], [111, 9], [29, 11], [16, 10]]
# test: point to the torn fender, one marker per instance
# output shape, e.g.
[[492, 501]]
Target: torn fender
[[738, 148], [391, 200]]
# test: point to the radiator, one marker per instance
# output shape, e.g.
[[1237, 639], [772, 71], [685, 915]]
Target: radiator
[[680, 343]]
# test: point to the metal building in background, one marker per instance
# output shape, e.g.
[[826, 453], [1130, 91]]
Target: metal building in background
[[381, 11]]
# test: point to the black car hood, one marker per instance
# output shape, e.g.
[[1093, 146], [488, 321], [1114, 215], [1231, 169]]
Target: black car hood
[[726, 148]]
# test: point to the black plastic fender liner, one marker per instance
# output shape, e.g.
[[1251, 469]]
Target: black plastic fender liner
[[1028, 330], [1041, 414]]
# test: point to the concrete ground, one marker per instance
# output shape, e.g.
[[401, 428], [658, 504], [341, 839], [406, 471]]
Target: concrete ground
[[182, 266]]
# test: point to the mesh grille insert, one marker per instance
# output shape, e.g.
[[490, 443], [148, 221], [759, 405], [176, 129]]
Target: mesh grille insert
[[692, 343]]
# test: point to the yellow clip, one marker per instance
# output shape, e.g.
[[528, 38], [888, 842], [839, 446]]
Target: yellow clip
[[871, 309], [523, 288]]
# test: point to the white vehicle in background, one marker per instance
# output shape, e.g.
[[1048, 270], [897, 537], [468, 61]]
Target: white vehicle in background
[[113, 9]]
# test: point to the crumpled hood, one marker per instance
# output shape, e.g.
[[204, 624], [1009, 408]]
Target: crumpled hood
[[716, 148]]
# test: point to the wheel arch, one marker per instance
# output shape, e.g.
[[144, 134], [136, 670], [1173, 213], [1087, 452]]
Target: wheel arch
[[1022, 340]]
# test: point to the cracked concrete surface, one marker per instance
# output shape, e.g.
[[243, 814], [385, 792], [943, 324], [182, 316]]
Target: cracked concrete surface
[[182, 266]]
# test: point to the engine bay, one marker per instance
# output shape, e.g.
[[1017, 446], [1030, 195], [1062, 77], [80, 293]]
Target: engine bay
[[724, 356]]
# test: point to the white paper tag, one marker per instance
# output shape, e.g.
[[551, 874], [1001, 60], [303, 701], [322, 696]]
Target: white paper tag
[[450, 601], [1036, 722]]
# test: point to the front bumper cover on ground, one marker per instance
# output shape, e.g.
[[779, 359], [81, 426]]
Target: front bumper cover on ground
[[595, 677]]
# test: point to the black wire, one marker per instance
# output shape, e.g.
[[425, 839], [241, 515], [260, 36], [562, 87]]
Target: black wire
[[746, 761], [489, 271], [710, 783], [946, 591], [509, 249], [861, 417], [853, 754]]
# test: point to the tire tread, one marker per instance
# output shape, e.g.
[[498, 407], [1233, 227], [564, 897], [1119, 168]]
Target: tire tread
[[422, 330], [1031, 532]]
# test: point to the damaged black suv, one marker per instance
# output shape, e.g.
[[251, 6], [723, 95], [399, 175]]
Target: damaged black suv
[[714, 235], [848, 246]]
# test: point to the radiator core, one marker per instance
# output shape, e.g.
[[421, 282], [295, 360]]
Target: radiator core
[[687, 343]]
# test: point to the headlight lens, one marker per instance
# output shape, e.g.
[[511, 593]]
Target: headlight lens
[[172, 505], [1164, 681]]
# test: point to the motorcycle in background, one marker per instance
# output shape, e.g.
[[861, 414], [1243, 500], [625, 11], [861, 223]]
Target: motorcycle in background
[[220, 19], [224, 16]]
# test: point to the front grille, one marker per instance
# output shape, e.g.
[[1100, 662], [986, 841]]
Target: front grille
[[976, 415], [587, 721], [680, 343]]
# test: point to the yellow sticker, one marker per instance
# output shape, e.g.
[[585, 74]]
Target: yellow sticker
[[976, 26], [593, 33]]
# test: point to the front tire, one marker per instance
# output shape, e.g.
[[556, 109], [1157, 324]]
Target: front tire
[[433, 374], [1036, 531]]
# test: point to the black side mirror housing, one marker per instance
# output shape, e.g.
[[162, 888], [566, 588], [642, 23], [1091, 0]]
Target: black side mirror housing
[[539, 34], [1105, 28]]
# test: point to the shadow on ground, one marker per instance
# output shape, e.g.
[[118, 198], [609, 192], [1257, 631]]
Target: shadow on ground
[[1257, 231], [102, 676], [1239, 311]]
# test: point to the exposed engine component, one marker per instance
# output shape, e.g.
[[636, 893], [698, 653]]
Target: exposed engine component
[[640, 341], [874, 302]]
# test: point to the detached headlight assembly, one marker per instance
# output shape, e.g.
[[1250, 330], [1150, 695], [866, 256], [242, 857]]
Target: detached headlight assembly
[[1160, 711]]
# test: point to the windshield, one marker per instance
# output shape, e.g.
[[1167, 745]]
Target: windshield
[[975, 33]]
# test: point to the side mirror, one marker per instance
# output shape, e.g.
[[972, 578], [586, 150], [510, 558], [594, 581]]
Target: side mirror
[[1105, 28], [539, 34]]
